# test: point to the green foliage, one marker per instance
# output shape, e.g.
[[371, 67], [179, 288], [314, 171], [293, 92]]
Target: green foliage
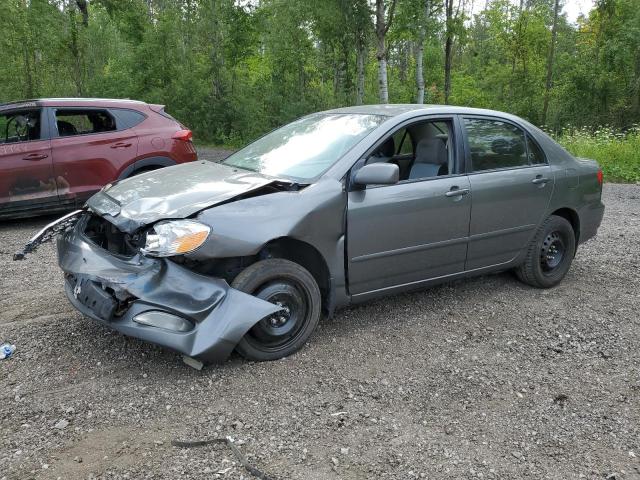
[[617, 153], [233, 70]]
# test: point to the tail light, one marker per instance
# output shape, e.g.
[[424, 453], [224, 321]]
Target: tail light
[[184, 135], [600, 176]]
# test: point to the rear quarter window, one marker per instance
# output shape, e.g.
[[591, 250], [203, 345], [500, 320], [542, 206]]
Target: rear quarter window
[[126, 118]]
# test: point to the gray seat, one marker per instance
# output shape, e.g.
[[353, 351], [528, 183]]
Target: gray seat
[[431, 159]]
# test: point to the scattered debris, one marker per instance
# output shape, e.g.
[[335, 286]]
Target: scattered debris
[[61, 424], [6, 350], [192, 362], [560, 399], [231, 444]]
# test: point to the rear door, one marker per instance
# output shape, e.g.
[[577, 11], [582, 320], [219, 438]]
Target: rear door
[[511, 186], [26, 170], [89, 150]]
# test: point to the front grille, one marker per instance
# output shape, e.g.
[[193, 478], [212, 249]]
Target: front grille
[[107, 236]]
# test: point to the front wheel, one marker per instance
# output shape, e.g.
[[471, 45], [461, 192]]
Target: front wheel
[[293, 288], [549, 254]]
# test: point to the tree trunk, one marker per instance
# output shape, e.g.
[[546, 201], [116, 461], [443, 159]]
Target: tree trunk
[[419, 74], [552, 50], [361, 54], [83, 6], [382, 27], [447, 50], [422, 34]]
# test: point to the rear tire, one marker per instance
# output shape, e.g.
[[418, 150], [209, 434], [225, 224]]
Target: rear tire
[[287, 284], [549, 255]]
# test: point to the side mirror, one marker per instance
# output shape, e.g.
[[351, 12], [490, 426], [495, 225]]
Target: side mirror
[[377, 174]]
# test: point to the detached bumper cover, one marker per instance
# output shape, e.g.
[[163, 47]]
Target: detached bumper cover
[[113, 290]]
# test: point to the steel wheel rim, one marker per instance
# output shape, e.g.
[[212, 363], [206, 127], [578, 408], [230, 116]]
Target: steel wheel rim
[[279, 330], [553, 252]]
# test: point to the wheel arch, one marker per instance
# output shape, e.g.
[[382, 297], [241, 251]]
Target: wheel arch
[[146, 163], [572, 217], [307, 256]]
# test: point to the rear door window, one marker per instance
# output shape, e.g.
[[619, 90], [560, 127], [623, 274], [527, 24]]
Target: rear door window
[[495, 144], [70, 122], [20, 126]]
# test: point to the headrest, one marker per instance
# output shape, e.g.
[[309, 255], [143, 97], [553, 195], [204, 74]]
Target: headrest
[[431, 150], [66, 128]]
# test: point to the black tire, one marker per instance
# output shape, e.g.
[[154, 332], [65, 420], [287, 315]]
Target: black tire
[[549, 255], [287, 283]]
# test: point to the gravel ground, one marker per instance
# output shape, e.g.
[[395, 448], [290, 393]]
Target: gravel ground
[[483, 378]]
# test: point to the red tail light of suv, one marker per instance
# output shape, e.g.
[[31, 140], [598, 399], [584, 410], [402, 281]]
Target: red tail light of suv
[[56, 153]]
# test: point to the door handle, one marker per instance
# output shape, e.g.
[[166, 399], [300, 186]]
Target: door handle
[[120, 145], [35, 156], [540, 180], [456, 192]]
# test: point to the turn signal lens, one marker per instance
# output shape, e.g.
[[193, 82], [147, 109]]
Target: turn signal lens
[[600, 176], [175, 238]]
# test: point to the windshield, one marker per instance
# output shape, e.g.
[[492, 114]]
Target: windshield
[[304, 149]]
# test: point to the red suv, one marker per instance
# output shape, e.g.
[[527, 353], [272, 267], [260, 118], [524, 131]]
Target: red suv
[[55, 153]]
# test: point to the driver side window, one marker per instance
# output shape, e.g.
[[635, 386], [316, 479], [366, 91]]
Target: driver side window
[[421, 150], [21, 126]]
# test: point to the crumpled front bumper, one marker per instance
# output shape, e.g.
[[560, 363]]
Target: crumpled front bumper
[[219, 315]]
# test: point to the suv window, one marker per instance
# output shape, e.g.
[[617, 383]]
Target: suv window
[[126, 118], [81, 122], [21, 126], [495, 144]]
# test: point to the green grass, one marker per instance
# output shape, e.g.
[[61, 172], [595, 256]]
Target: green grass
[[618, 154]]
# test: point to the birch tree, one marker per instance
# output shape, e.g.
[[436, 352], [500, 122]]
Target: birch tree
[[384, 18], [423, 21]]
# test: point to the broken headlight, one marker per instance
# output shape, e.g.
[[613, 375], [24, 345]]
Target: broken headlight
[[175, 237]]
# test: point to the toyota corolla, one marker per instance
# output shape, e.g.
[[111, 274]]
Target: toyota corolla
[[336, 208]]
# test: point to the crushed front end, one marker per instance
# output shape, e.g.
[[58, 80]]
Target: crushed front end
[[155, 299]]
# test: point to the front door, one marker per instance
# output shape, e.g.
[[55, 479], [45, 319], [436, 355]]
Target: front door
[[511, 186], [26, 169], [415, 230]]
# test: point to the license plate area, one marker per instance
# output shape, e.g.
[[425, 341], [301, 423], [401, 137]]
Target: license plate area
[[93, 297]]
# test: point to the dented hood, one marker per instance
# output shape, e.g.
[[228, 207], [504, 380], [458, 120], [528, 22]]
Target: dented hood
[[173, 192]]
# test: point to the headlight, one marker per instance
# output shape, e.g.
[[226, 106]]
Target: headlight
[[175, 238]]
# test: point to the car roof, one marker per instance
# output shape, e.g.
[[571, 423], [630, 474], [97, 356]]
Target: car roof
[[71, 102], [392, 110]]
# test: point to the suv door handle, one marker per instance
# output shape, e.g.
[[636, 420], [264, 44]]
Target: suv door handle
[[539, 180], [120, 145], [35, 156], [456, 192]]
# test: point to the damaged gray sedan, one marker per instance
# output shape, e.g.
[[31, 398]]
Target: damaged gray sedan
[[333, 209]]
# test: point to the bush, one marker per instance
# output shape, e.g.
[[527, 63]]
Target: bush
[[617, 153]]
